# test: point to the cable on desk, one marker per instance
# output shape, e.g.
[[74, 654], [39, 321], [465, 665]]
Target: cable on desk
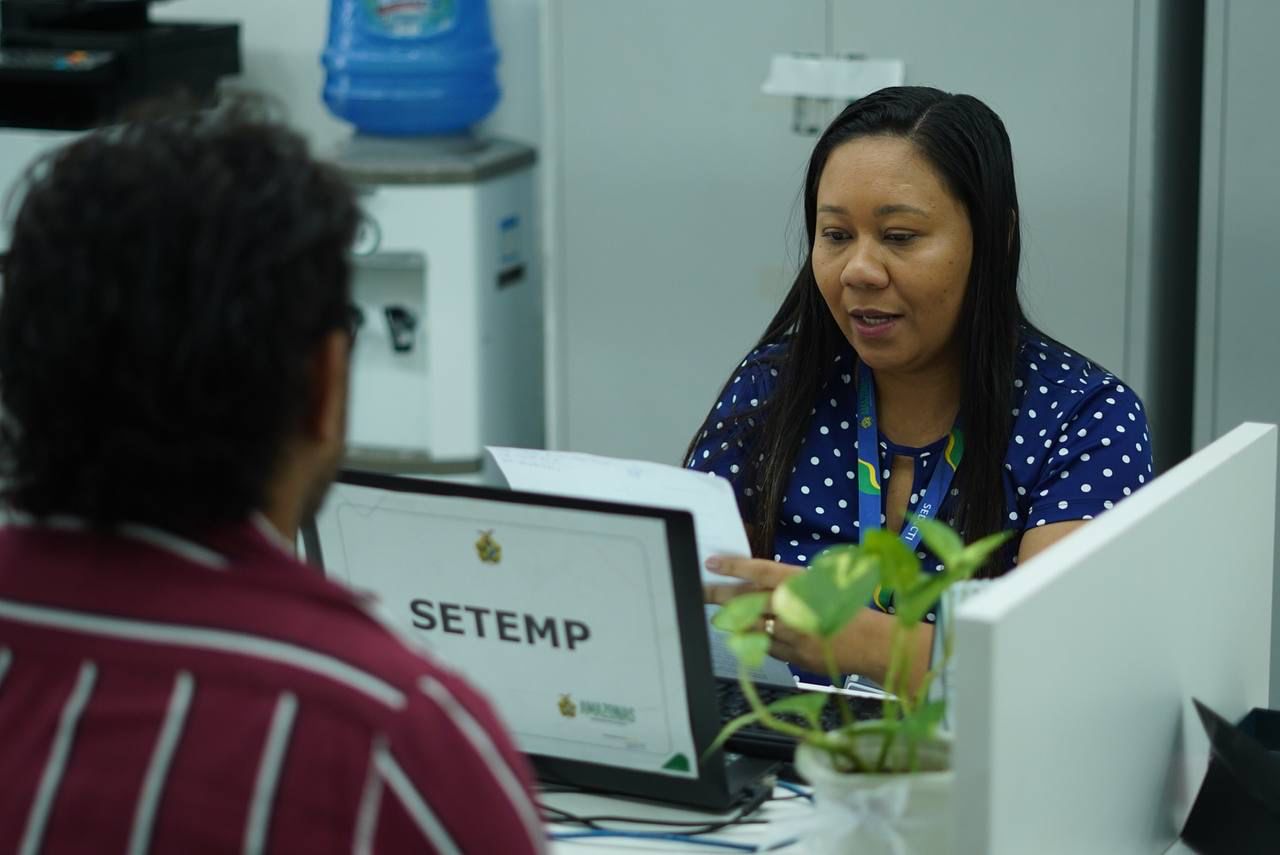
[[655, 835], [798, 791], [749, 804], [688, 829], [554, 789]]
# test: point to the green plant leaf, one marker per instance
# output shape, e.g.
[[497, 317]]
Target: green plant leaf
[[924, 721], [730, 728], [807, 704], [871, 727], [792, 607], [973, 556], [911, 606], [741, 613], [941, 540], [822, 600], [845, 560], [899, 565], [853, 571], [750, 647]]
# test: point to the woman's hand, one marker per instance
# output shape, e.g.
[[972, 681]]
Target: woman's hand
[[862, 647], [758, 574]]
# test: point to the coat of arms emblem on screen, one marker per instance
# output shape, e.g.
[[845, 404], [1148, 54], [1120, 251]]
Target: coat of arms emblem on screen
[[489, 550]]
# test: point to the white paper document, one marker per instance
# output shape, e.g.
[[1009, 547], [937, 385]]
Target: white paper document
[[708, 498]]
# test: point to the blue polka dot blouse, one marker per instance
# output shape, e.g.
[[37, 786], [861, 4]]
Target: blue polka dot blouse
[[1080, 444]]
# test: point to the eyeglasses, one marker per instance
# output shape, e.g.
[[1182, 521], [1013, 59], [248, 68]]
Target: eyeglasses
[[354, 321]]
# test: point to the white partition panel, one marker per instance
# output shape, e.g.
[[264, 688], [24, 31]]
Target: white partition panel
[[1075, 730]]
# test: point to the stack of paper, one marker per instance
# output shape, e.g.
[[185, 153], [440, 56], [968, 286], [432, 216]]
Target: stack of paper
[[708, 498]]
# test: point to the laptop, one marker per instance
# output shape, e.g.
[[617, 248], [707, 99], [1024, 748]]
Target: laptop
[[582, 621]]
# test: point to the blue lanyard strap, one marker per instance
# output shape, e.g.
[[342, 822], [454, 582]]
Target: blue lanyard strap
[[869, 502]]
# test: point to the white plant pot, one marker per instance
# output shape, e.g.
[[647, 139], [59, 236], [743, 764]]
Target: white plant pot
[[885, 814]]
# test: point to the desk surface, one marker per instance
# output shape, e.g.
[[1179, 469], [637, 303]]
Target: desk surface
[[780, 814]]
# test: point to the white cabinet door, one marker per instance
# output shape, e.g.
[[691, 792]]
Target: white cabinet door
[[674, 186]]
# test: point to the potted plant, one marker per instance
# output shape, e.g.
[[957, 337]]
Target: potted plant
[[881, 785]]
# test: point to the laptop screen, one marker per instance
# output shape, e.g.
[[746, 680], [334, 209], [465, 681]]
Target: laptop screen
[[582, 621]]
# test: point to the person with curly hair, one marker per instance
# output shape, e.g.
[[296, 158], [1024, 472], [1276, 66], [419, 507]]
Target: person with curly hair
[[174, 345]]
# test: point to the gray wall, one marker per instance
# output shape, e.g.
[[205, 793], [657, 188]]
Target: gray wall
[[1069, 123], [677, 185], [1101, 100], [1237, 346]]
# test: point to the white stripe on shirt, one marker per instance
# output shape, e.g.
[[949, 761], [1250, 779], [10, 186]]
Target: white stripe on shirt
[[222, 640], [146, 534], [58, 522], [6, 658], [414, 805], [264, 788], [54, 767], [507, 779], [268, 530], [158, 768], [370, 804], [163, 540]]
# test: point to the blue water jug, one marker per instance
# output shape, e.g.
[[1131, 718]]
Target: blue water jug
[[410, 67]]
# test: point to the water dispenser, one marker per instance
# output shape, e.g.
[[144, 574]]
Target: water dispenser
[[450, 353]]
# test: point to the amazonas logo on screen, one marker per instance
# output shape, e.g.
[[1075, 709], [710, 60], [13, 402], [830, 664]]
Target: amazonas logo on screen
[[499, 624]]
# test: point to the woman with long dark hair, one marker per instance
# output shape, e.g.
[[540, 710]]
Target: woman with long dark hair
[[901, 376]]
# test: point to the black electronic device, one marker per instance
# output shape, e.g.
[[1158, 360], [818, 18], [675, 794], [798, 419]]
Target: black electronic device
[[756, 740], [76, 64], [717, 781]]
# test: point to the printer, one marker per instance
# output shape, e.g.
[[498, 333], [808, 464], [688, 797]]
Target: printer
[[76, 64]]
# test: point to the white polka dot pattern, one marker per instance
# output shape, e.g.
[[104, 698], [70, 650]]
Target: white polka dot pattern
[[1079, 444]]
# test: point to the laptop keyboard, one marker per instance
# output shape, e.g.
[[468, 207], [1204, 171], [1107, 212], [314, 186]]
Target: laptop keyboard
[[759, 741]]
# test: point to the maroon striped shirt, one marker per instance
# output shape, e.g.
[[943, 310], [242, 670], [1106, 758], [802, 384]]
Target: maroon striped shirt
[[162, 696]]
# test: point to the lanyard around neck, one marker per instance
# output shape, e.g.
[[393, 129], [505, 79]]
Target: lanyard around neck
[[869, 504]]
